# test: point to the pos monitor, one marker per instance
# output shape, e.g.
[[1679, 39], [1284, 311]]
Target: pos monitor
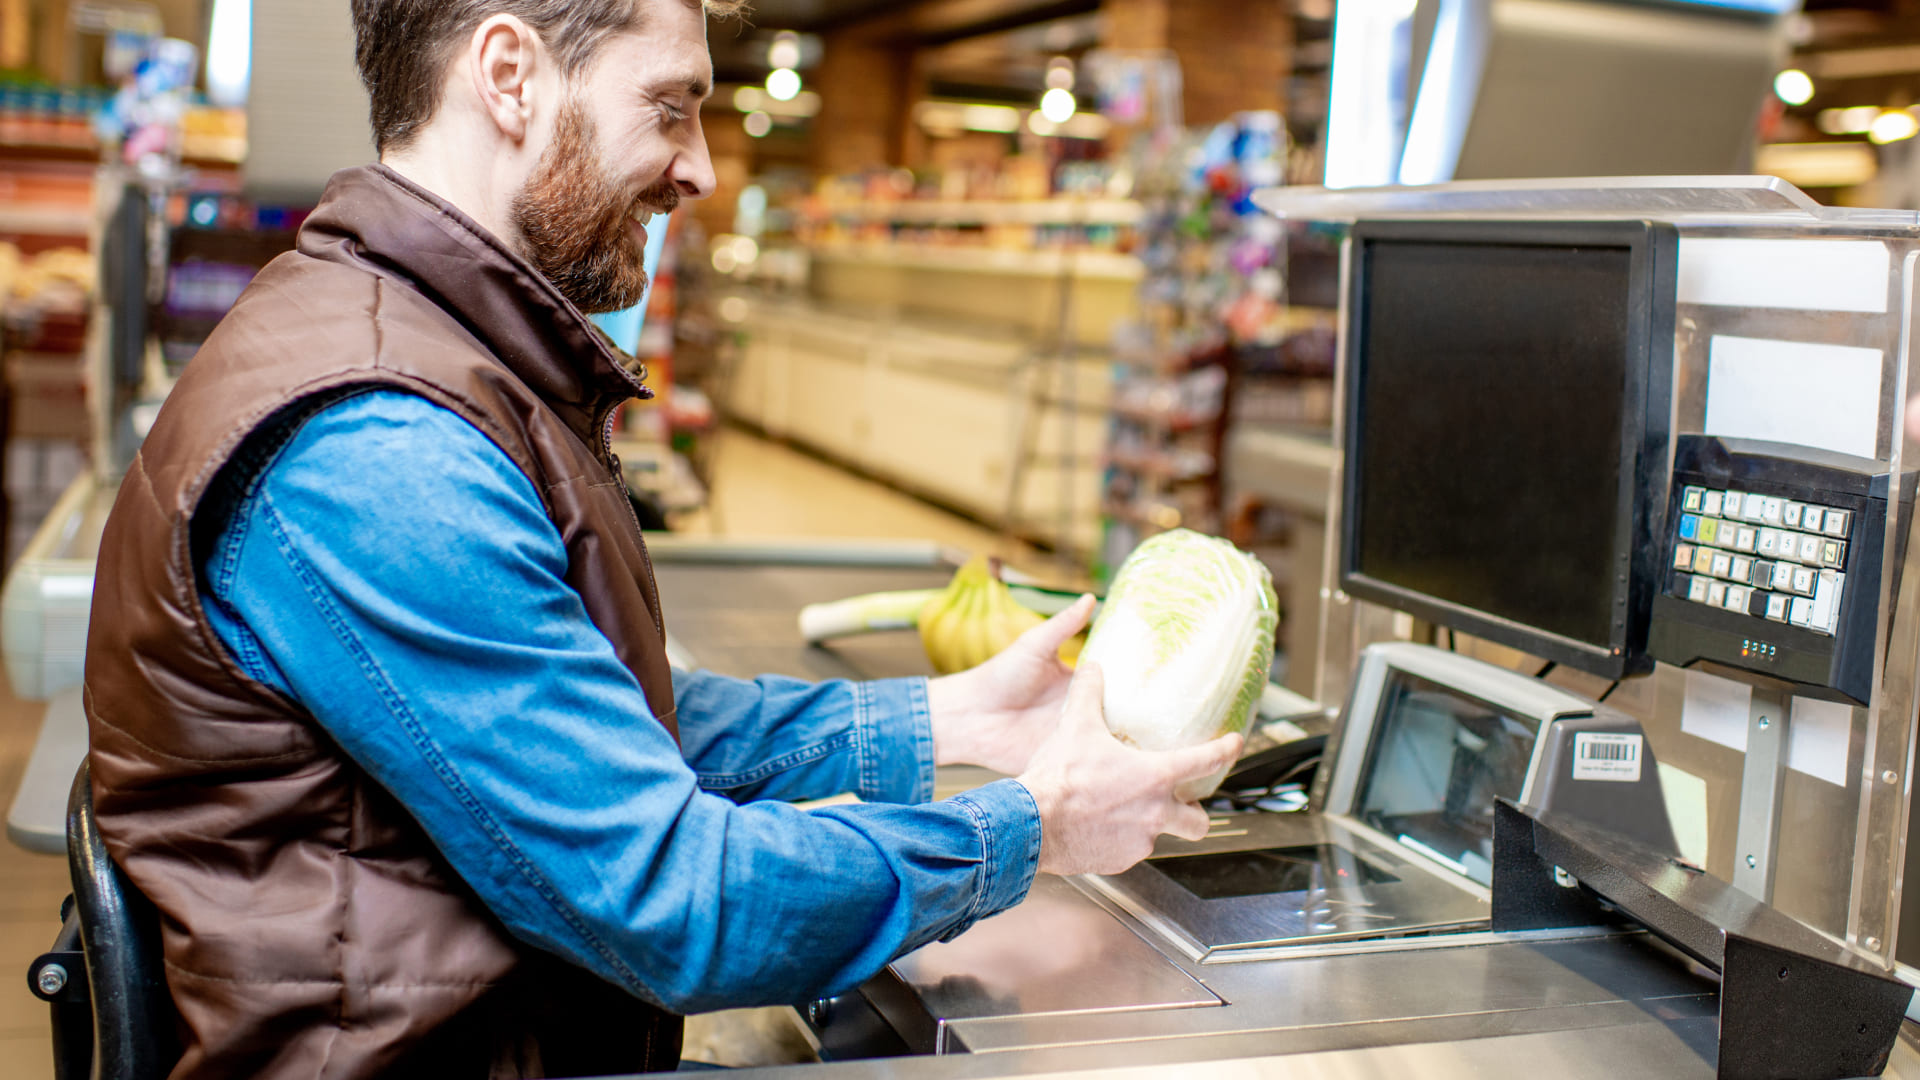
[[1508, 390]]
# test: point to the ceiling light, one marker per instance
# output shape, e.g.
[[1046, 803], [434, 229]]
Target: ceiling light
[[1057, 105], [996, 118], [758, 124], [1854, 121], [805, 103], [749, 99], [1818, 164], [783, 84], [1793, 86], [1892, 126], [785, 50], [1059, 73]]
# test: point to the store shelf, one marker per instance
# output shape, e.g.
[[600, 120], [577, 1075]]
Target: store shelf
[[1083, 265], [1284, 466], [926, 408], [39, 151], [984, 212], [1160, 467], [18, 220], [203, 152], [1157, 516], [1174, 423]]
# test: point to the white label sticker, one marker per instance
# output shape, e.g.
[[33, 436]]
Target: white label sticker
[[1602, 755]]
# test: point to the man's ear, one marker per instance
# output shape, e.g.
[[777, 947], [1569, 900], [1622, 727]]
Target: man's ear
[[501, 58]]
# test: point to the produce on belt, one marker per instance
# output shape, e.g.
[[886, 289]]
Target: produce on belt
[[900, 610], [863, 614], [971, 616], [974, 617], [1185, 642]]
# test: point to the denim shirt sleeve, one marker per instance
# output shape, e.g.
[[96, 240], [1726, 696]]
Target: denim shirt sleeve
[[782, 738], [391, 570]]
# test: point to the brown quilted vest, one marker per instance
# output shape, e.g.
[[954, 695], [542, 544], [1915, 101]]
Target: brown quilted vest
[[310, 927]]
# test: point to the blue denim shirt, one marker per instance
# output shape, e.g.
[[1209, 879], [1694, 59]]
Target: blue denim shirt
[[386, 566]]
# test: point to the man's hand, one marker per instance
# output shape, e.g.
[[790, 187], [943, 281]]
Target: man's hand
[[1103, 803], [997, 714]]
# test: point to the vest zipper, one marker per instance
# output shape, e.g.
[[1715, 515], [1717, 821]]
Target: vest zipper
[[619, 474]]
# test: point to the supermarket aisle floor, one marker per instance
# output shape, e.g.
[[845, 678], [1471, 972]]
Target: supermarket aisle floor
[[764, 489], [761, 489], [31, 888]]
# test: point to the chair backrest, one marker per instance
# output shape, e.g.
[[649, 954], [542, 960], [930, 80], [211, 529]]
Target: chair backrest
[[134, 1033]]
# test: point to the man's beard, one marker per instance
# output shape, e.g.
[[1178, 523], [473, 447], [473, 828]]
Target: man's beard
[[574, 225]]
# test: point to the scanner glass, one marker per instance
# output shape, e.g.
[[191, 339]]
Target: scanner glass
[[1437, 762], [1303, 869]]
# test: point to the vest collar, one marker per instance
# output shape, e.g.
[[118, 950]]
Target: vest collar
[[374, 217]]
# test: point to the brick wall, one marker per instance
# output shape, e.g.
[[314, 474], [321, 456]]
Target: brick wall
[[1233, 56], [865, 84]]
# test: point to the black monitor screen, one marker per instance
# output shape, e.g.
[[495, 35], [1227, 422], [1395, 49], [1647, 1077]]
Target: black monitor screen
[[1495, 385]]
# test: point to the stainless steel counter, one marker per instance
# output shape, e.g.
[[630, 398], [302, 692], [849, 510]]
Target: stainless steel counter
[[1074, 983], [1617, 1042]]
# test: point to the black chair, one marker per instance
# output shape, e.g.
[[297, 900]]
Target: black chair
[[113, 1017]]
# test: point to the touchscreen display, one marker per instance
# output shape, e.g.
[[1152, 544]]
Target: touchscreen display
[[1438, 760]]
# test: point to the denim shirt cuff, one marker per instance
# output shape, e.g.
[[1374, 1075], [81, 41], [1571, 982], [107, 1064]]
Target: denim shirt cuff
[[896, 741], [1009, 824]]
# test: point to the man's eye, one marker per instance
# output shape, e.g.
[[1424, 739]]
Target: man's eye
[[673, 115]]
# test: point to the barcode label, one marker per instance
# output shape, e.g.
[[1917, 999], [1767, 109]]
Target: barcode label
[[1602, 755]]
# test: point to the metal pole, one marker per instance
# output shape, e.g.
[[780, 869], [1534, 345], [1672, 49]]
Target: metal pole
[[1761, 778]]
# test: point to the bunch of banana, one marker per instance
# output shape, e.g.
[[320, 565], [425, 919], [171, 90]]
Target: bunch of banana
[[973, 618]]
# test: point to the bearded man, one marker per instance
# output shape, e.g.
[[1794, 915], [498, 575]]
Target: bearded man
[[381, 716]]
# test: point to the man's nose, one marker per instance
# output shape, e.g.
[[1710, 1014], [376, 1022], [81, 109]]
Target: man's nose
[[692, 171]]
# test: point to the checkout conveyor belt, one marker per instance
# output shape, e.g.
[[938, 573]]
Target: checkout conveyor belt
[[739, 618]]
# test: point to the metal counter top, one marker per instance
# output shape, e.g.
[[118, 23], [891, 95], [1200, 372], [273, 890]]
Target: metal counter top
[[1074, 983], [1616, 1044], [1041, 975]]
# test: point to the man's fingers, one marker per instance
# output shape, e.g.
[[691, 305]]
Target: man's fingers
[[1086, 695], [1047, 638], [1206, 759], [1189, 822]]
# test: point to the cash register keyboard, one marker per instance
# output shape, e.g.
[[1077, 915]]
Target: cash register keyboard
[[1768, 557]]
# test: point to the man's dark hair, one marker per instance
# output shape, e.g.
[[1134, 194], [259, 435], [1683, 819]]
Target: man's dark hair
[[403, 47]]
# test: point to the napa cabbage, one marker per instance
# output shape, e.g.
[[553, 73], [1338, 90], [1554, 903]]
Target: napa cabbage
[[1185, 641]]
